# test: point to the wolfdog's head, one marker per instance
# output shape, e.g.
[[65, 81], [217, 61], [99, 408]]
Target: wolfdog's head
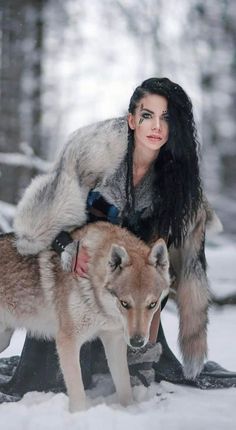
[[129, 278], [138, 283]]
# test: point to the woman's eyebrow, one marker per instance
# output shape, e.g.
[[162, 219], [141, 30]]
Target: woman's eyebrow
[[148, 110]]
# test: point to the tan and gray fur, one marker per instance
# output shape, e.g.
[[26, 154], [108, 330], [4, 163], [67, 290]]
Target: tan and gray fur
[[57, 201], [125, 284]]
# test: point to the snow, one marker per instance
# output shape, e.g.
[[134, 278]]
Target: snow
[[173, 407], [164, 404]]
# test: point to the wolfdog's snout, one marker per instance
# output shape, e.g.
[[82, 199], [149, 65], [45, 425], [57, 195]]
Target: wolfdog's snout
[[137, 341]]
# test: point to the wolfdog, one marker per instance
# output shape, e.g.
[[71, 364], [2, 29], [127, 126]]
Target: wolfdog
[[125, 284]]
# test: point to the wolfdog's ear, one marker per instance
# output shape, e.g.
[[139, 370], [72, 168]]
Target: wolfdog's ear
[[118, 257], [158, 256]]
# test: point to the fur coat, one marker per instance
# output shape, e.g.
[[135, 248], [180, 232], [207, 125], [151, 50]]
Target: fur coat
[[57, 201]]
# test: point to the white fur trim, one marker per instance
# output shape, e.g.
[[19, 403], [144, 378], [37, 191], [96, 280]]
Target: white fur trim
[[193, 367], [68, 255]]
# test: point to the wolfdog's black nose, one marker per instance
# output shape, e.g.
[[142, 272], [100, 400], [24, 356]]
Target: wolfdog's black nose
[[137, 341]]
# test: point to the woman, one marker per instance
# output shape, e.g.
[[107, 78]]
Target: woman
[[148, 183]]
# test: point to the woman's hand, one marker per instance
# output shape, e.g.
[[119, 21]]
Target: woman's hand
[[80, 263]]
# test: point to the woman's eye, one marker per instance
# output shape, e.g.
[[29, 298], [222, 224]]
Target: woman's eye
[[146, 115], [166, 117], [152, 305], [124, 304]]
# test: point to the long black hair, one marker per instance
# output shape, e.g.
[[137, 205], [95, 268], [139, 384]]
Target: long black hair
[[177, 191]]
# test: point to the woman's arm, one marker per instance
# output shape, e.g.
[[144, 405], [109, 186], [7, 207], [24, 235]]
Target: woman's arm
[[192, 296], [192, 292], [53, 202], [57, 201]]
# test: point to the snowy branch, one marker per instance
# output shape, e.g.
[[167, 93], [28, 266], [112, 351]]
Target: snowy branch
[[25, 158], [226, 300], [17, 159]]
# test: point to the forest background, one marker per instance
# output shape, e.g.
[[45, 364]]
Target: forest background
[[67, 64]]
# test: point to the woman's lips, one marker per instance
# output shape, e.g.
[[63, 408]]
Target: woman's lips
[[154, 137]]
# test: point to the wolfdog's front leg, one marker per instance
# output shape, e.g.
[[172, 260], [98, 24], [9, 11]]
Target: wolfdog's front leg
[[116, 353], [68, 351]]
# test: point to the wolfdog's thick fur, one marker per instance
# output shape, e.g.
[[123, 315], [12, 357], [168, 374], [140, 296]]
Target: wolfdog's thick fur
[[125, 284]]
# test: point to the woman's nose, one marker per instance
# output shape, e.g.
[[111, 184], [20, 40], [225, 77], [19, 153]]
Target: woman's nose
[[156, 124]]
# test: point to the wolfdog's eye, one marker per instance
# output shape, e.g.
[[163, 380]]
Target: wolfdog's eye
[[125, 304], [152, 305]]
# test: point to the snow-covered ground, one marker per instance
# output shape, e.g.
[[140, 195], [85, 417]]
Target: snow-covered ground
[[161, 405]]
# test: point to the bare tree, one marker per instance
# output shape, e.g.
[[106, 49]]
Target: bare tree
[[213, 33], [20, 87]]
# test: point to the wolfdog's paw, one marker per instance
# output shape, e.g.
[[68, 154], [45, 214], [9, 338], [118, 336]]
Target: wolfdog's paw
[[77, 406], [127, 400]]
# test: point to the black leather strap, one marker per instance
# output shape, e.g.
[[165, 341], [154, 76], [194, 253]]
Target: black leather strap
[[61, 241]]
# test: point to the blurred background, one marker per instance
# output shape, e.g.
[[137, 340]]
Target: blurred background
[[64, 64]]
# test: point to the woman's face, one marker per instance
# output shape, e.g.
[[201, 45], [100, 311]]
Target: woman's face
[[150, 123]]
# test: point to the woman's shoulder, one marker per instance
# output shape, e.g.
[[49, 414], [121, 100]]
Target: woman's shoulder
[[96, 149], [105, 134]]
